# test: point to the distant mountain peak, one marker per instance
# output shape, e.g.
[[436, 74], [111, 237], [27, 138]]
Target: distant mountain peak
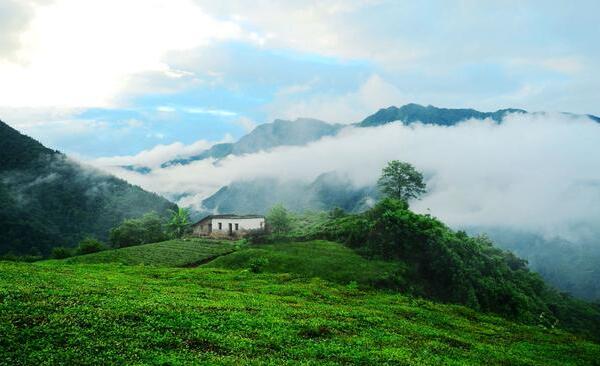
[[412, 112], [267, 136]]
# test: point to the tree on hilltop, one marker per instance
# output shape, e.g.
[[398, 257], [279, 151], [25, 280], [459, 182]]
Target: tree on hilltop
[[400, 180]]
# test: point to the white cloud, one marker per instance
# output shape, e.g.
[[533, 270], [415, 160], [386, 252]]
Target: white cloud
[[159, 154], [326, 27], [81, 53], [165, 109], [214, 112], [352, 107], [154, 157], [197, 110], [566, 65], [569, 65], [297, 88], [246, 123], [26, 117], [14, 18], [534, 172]]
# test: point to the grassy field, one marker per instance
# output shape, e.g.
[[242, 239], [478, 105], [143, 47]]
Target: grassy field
[[172, 253], [327, 260], [112, 314]]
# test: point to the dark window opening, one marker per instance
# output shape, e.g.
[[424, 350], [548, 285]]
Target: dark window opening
[[237, 227], [220, 226]]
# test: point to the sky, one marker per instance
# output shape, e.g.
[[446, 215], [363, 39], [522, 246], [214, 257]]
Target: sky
[[99, 79]]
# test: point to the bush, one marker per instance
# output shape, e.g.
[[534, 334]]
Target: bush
[[61, 252], [90, 245], [279, 220], [257, 264], [147, 229], [257, 236], [11, 257], [337, 213]]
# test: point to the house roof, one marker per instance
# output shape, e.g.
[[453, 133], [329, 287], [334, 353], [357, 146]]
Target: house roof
[[229, 216]]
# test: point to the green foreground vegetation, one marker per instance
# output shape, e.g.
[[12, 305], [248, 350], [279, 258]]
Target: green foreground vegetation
[[114, 314]]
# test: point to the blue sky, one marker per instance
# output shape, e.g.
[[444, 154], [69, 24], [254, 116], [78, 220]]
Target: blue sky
[[184, 71]]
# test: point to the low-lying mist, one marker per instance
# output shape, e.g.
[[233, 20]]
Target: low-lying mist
[[535, 172]]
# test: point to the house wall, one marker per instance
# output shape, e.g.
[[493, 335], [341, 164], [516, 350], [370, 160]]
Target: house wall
[[201, 229], [243, 225]]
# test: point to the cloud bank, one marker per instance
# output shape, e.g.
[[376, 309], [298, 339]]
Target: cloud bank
[[535, 172]]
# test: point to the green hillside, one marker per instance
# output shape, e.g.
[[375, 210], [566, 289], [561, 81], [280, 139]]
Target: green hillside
[[323, 259], [110, 314], [452, 267], [49, 200], [172, 253]]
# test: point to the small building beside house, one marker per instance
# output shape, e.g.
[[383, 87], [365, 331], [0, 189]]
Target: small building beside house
[[228, 225]]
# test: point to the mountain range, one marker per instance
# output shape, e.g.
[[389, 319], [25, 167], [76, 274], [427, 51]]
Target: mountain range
[[411, 113], [302, 131]]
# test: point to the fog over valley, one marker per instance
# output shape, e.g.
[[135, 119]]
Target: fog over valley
[[534, 172]]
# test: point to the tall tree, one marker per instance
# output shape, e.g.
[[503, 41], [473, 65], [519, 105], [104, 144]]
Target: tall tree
[[279, 219], [401, 181]]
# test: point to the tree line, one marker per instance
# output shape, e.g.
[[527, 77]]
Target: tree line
[[150, 228]]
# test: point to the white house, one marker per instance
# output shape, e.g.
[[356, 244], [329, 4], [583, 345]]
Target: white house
[[228, 225]]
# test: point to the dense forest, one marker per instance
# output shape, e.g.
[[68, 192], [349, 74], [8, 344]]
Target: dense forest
[[48, 200]]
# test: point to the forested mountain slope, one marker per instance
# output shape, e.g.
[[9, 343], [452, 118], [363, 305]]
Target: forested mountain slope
[[267, 136], [48, 200], [431, 115]]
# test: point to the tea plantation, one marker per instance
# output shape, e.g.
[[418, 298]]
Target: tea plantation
[[172, 253], [69, 312]]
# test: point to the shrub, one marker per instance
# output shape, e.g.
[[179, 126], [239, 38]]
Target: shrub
[[337, 213], [257, 264], [257, 236], [90, 245], [61, 252], [279, 220], [11, 257], [147, 229]]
